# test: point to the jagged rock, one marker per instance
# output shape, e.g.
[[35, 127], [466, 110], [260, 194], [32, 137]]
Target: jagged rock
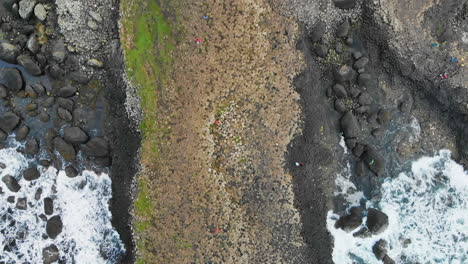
[[8, 52], [3, 91], [318, 31], [379, 249], [11, 183], [374, 161], [75, 135], [344, 73], [29, 65], [64, 114], [377, 221], [350, 222], [350, 125], [31, 174], [96, 147], [31, 147], [95, 63], [65, 103], [9, 121], [345, 4], [26, 8], [48, 206], [343, 29], [340, 91], [340, 106], [50, 254], [321, 50], [22, 204], [365, 99], [54, 226], [40, 12], [12, 79], [32, 45], [67, 91], [71, 171], [66, 150], [361, 63]]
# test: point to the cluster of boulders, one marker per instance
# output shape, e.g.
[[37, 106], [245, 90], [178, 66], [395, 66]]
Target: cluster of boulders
[[361, 119], [30, 98]]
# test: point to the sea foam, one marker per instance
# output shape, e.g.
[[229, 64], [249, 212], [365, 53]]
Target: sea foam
[[81, 202], [428, 217]]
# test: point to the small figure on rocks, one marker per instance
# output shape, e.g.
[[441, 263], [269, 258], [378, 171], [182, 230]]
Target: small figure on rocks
[[299, 164], [197, 40], [444, 76]]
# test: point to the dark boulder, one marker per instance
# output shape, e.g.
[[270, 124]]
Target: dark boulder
[[38, 194], [350, 125], [31, 147], [56, 72], [321, 50], [357, 55], [374, 161], [29, 65], [31, 174], [345, 4], [32, 45], [48, 206], [64, 149], [361, 169], [388, 260], [340, 91], [31, 107], [30, 91], [343, 29], [54, 226], [377, 221], [364, 79], [8, 52], [339, 47], [378, 132], [358, 150], [406, 105], [48, 102], [344, 73], [340, 106], [12, 79], [64, 114], [361, 63], [11, 183], [351, 143], [44, 117], [22, 204], [380, 249], [350, 222], [59, 51], [3, 91], [383, 117], [3, 135], [365, 99], [67, 91], [75, 135], [39, 88], [71, 171], [362, 109], [65, 103], [96, 147], [50, 254], [318, 31], [354, 92]]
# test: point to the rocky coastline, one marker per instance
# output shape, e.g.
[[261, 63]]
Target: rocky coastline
[[64, 97]]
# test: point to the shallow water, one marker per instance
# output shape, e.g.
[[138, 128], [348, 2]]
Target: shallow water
[[427, 204], [81, 202]]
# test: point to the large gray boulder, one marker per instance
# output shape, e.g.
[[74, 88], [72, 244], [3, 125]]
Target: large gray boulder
[[96, 147], [67, 91], [9, 121], [26, 8], [350, 125], [40, 12], [8, 52], [318, 31], [50, 254], [12, 79], [374, 161], [352, 221], [31, 174], [29, 65], [377, 221], [31, 147], [75, 135], [11, 183]]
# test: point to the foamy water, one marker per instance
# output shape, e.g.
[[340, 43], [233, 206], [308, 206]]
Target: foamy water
[[81, 202], [427, 205]]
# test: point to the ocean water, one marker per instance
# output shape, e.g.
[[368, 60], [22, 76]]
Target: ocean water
[[81, 202], [427, 208]]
